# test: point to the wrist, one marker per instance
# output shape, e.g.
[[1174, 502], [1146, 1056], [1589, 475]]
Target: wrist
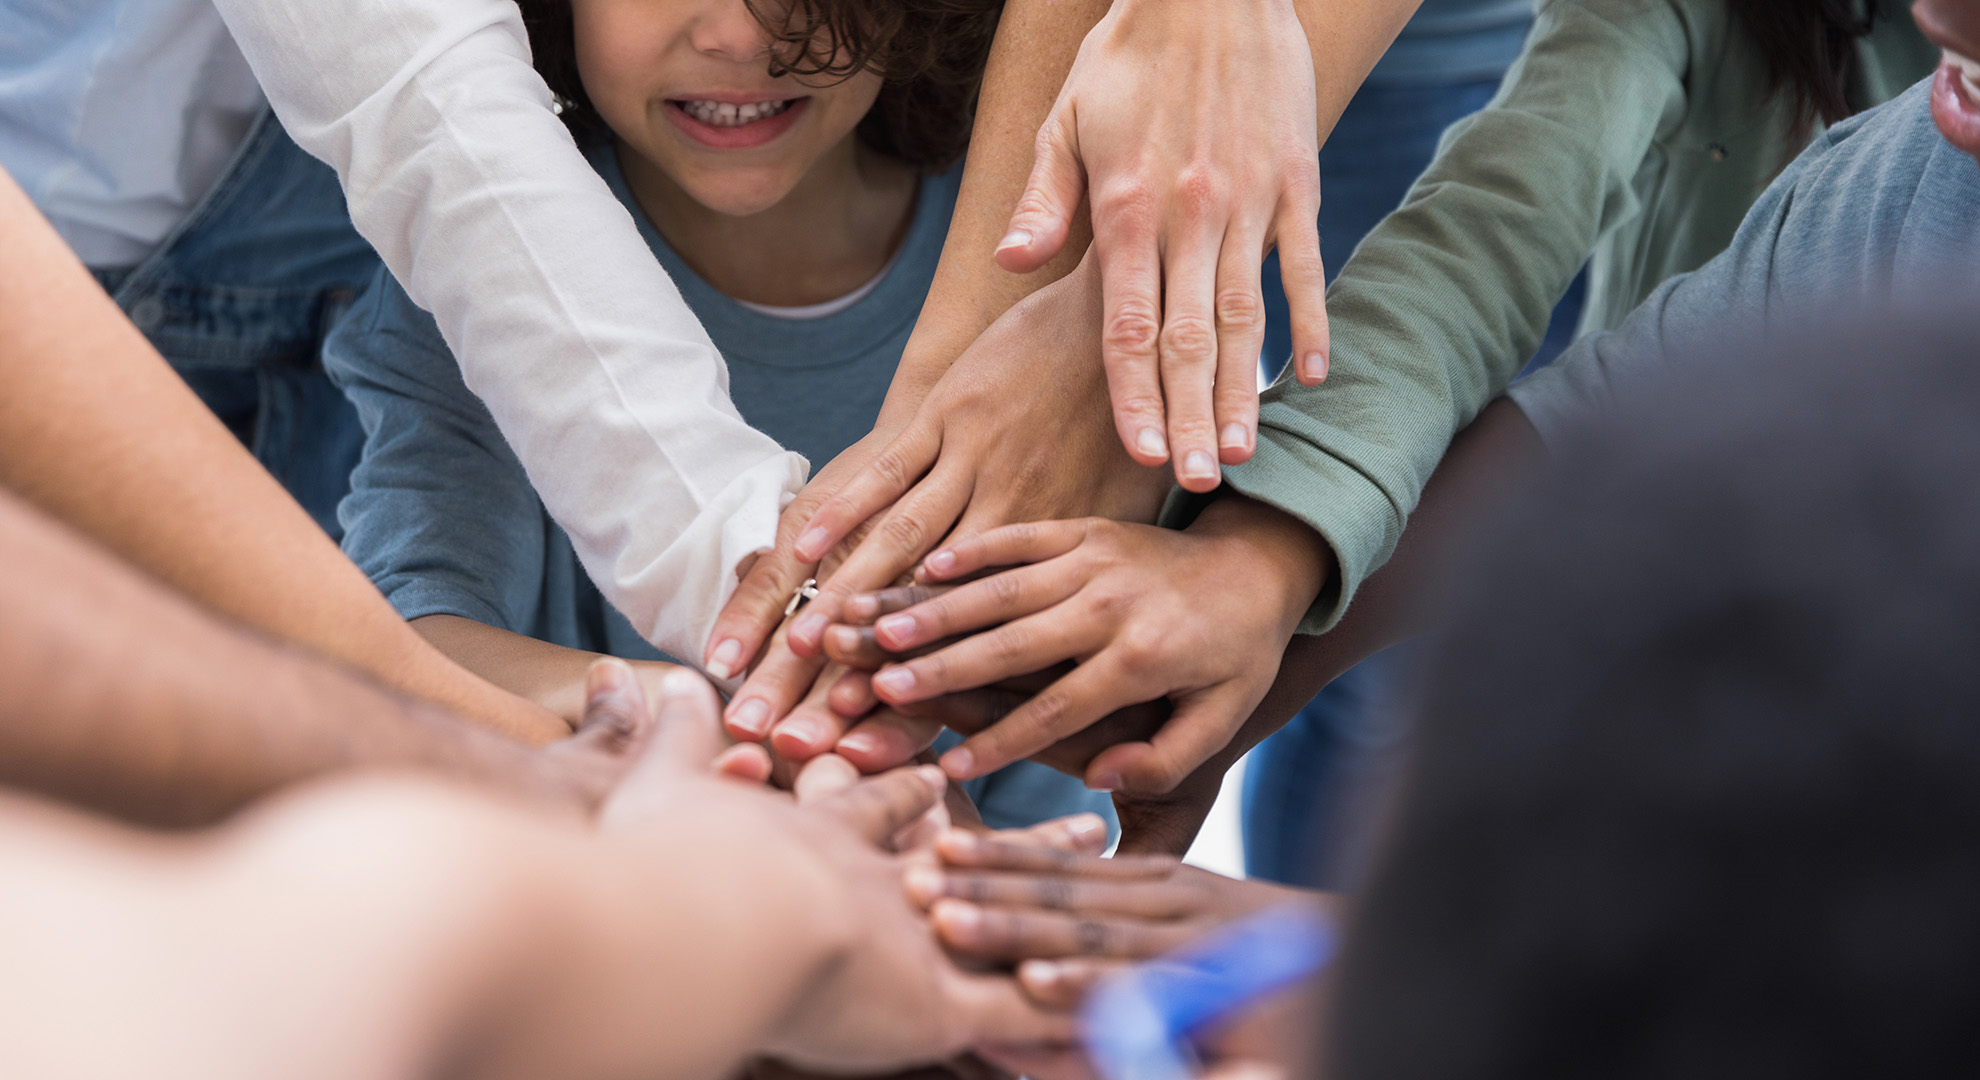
[[1284, 553]]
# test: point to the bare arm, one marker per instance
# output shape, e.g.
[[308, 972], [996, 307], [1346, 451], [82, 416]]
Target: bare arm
[[550, 675], [124, 697], [97, 431]]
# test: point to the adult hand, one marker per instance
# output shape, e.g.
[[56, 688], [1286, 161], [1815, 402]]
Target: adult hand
[[1071, 919], [1192, 129], [1016, 430], [1147, 613], [888, 995]]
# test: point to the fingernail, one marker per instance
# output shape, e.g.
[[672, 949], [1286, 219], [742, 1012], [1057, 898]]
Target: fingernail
[[862, 607], [803, 730], [899, 629], [751, 717], [1235, 437], [958, 763], [1107, 781], [939, 563], [1016, 238], [811, 546], [962, 916], [925, 883], [845, 639], [897, 682], [1151, 443], [1087, 826], [860, 742], [809, 628], [1041, 971], [722, 662], [607, 678], [1313, 367], [1199, 465], [680, 682], [932, 775]]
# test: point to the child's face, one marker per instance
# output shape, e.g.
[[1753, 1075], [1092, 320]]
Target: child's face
[[1954, 26], [686, 84]]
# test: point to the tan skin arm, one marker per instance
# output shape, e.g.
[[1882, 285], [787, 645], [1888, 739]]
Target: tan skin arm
[[550, 675], [97, 431]]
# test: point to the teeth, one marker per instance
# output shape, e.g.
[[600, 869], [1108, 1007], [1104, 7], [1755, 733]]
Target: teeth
[[1969, 70], [719, 114]]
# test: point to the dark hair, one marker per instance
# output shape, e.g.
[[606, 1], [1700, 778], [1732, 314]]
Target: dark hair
[[1697, 786], [931, 54], [1810, 51]]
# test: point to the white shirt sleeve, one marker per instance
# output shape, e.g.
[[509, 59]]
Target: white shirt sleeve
[[602, 380]]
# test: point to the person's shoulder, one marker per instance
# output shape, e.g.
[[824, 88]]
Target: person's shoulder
[[1879, 156]]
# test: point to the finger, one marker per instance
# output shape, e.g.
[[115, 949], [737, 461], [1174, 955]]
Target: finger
[[812, 727], [747, 762], [779, 682], [1188, 349], [887, 740], [997, 599], [686, 733], [1131, 319], [851, 695], [974, 851], [1140, 899], [824, 776], [880, 806], [1006, 934], [1041, 1062], [1065, 982], [1202, 724], [1008, 545], [1305, 278], [855, 647], [1092, 690], [1080, 834], [1044, 213], [616, 718], [1015, 648], [1240, 308], [874, 488], [904, 535], [969, 711], [862, 609], [1000, 1014], [752, 614]]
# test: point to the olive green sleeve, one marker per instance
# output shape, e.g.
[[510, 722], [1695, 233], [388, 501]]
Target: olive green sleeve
[[1443, 302]]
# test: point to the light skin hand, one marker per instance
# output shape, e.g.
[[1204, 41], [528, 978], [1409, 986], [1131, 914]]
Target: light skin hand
[[1186, 202], [960, 424], [1147, 613]]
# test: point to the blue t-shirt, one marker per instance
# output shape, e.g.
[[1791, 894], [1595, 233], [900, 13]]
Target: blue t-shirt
[[445, 522], [1879, 208], [1452, 41]]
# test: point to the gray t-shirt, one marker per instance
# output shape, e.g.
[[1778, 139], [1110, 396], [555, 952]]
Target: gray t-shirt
[[445, 522], [1880, 208]]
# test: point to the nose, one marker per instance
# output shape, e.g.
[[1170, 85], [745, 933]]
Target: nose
[[727, 29]]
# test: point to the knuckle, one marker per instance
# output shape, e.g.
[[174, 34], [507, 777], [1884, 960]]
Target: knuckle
[[1007, 590], [1132, 330], [1201, 191], [1125, 203], [1054, 894], [1094, 938], [902, 532], [1141, 648], [1301, 173], [1240, 309], [1188, 339], [1009, 643]]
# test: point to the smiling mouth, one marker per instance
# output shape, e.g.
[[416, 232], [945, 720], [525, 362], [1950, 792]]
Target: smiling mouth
[[718, 114]]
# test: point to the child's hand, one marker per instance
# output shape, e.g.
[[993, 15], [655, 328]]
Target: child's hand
[[1199, 617]]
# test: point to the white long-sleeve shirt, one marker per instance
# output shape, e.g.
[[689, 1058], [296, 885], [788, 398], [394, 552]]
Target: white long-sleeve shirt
[[603, 382]]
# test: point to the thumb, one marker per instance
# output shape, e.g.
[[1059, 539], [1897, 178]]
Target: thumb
[[687, 735], [1044, 214]]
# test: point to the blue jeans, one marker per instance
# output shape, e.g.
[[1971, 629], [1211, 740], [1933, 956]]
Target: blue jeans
[[239, 298], [1310, 790]]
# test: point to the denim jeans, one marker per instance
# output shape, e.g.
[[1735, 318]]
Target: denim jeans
[[1311, 790], [239, 297]]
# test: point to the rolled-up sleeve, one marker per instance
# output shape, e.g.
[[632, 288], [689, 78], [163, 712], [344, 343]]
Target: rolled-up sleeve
[[596, 373]]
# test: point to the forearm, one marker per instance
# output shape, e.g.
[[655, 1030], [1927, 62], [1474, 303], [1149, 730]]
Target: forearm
[[128, 699], [567, 329], [1036, 43], [550, 675], [176, 494]]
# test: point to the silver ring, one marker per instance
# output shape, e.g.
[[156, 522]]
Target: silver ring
[[806, 591]]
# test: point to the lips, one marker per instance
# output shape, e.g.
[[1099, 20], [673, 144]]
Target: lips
[[1956, 106], [734, 125]]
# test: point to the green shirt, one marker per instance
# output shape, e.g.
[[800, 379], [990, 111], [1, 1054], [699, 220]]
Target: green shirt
[[1631, 135]]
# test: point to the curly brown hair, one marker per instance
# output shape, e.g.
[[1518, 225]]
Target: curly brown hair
[[930, 54]]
